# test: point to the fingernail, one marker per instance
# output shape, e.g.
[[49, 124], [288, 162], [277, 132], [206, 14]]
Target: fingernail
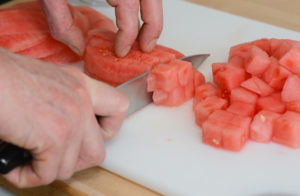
[[108, 133], [150, 45], [124, 51]]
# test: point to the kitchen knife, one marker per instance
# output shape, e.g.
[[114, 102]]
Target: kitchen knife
[[12, 156]]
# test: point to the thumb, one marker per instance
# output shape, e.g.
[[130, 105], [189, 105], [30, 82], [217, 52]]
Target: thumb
[[61, 24]]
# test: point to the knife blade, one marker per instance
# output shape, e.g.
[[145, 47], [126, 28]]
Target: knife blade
[[136, 88], [12, 156]]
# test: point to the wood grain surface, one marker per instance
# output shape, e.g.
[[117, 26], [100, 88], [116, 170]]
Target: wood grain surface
[[98, 181]]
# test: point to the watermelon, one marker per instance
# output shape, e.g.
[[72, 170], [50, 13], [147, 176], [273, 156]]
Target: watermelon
[[204, 108], [275, 75], [291, 89], [243, 95], [271, 103], [263, 44], [257, 86], [256, 61], [205, 90], [291, 60], [172, 84], [225, 130], [286, 129], [229, 77], [293, 106], [242, 108], [261, 128], [239, 50]]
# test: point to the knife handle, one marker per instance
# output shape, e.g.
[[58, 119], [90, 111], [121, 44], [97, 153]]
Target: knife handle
[[12, 156]]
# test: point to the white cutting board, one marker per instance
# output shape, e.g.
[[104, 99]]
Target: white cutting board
[[161, 147]]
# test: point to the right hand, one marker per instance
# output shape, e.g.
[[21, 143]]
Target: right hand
[[50, 111]]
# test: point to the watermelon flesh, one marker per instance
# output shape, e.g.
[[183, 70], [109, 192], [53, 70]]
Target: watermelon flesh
[[261, 128], [225, 130]]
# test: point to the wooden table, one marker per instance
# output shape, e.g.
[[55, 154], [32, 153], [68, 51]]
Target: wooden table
[[98, 181]]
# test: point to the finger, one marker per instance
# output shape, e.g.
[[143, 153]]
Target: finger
[[108, 103], [42, 171], [61, 24], [92, 151], [128, 24], [152, 15]]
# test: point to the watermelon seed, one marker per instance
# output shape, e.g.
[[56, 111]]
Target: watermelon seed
[[262, 118], [215, 141]]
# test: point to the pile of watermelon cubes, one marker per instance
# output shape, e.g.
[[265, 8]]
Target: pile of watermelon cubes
[[255, 95]]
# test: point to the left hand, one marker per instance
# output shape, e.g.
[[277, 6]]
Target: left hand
[[63, 29]]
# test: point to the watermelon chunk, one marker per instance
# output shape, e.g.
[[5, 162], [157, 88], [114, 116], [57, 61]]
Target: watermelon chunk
[[263, 44], [270, 103], [229, 77], [205, 90], [239, 50], [293, 106], [172, 83], [225, 130], [258, 86], [207, 106], [291, 89], [236, 61], [242, 95], [276, 75], [286, 129], [291, 60], [256, 61], [242, 108], [261, 128]]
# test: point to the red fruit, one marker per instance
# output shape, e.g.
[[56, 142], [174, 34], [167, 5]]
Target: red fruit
[[286, 129], [242, 95], [257, 86], [256, 61], [225, 130], [261, 128], [291, 60], [291, 89]]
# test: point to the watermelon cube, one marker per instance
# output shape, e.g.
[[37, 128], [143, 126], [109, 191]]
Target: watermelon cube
[[270, 103], [242, 95], [263, 44], [256, 61], [199, 78], [207, 106], [276, 75], [242, 108], [239, 50], [172, 84], [225, 130], [217, 67], [261, 128], [236, 61], [205, 90], [283, 48], [291, 60], [291, 89], [293, 106], [229, 77], [257, 86], [286, 129]]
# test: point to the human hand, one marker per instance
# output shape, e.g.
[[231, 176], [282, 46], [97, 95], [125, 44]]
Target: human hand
[[50, 111], [62, 27]]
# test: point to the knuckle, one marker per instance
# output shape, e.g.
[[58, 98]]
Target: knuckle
[[63, 128], [66, 174], [131, 4]]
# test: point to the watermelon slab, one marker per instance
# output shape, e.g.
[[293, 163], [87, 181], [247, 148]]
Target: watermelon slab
[[261, 128], [286, 129], [225, 130]]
